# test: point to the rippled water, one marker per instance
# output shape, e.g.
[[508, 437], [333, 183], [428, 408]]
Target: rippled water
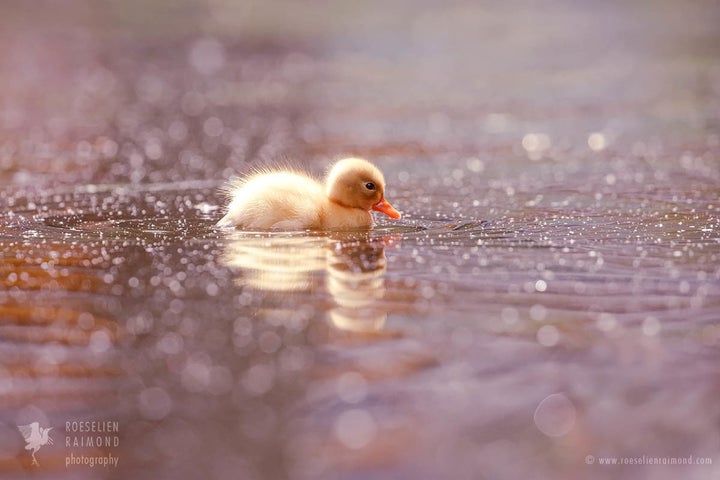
[[550, 298]]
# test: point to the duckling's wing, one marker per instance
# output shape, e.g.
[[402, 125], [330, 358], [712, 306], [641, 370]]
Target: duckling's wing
[[275, 201]]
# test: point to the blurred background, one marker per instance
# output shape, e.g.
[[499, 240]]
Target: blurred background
[[550, 297], [162, 91]]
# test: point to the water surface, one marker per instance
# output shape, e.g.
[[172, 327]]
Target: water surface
[[551, 296]]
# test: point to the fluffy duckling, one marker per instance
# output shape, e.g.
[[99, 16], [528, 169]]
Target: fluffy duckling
[[286, 200]]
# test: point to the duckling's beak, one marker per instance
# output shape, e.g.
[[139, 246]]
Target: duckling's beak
[[384, 207]]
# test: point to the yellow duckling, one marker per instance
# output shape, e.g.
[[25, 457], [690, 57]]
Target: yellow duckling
[[287, 200]]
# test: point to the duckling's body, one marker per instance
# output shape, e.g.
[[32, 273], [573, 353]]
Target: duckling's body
[[287, 200]]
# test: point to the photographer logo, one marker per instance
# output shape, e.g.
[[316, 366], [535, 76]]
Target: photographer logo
[[35, 437]]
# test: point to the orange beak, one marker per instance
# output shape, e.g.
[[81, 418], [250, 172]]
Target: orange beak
[[384, 207]]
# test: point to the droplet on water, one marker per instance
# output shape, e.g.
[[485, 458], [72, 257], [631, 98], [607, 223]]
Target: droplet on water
[[555, 415], [548, 336], [154, 403], [597, 141], [355, 428]]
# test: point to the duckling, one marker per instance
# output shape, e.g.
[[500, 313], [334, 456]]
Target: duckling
[[288, 200]]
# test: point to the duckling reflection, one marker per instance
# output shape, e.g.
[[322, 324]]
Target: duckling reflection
[[356, 281], [277, 264], [353, 269]]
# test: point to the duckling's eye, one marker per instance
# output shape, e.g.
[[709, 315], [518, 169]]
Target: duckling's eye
[[370, 186]]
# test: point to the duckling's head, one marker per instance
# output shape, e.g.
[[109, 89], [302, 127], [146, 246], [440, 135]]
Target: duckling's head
[[357, 183]]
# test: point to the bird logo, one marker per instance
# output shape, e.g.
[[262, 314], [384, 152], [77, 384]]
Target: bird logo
[[35, 437]]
